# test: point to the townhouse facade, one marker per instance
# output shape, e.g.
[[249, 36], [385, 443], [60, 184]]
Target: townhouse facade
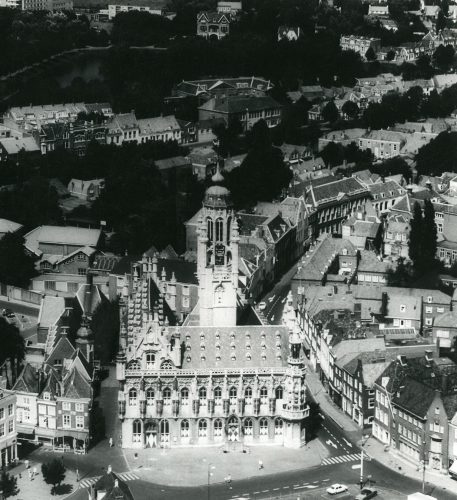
[[8, 431], [154, 7], [360, 44]]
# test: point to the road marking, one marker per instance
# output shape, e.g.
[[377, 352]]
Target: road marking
[[256, 492], [285, 487], [331, 443], [311, 486], [325, 480], [340, 459], [265, 491], [296, 485], [275, 489], [347, 442], [315, 482], [357, 466]]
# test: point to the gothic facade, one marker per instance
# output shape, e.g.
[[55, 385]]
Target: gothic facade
[[208, 381]]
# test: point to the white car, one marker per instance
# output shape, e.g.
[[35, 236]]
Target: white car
[[262, 306], [335, 489]]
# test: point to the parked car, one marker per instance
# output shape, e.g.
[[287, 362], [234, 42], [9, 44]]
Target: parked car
[[8, 313], [366, 494], [335, 489], [262, 306]]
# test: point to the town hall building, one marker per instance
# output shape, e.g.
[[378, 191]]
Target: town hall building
[[215, 378]]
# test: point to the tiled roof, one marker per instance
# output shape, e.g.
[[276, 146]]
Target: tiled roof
[[250, 222], [446, 320], [113, 487], [235, 347], [277, 227], [415, 397], [76, 386], [62, 350], [388, 188], [28, 380], [105, 262]]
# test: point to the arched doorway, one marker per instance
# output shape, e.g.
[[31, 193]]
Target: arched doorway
[[233, 429], [151, 434]]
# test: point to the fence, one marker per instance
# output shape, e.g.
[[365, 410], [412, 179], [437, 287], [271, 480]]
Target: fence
[[20, 294]]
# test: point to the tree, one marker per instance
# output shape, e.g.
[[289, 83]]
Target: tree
[[441, 21], [53, 473], [330, 112], [8, 485], [438, 156], [13, 347], [350, 109], [400, 275], [17, 267], [390, 56], [105, 326], [429, 236], [333, 154], [370, 54], [443, 57], [416, 236], [263, 168]]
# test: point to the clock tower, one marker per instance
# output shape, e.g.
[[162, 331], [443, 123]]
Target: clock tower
[[217, 258]]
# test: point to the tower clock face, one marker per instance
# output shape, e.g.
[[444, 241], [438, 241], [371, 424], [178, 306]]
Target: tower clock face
[[219, 255]]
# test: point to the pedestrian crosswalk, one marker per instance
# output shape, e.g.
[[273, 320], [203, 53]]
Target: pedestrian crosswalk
[[124, 476], [354, 457]]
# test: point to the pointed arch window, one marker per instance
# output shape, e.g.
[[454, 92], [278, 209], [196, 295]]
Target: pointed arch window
[[209, 223], [248, 395], [185, 428], [217, 396], [149, 396], [218, 428], [279, 393], [219, 230], [248, 427], [263, 427], [132, 396], [232, 395], [136, 438], [229, 227], [263, 396]]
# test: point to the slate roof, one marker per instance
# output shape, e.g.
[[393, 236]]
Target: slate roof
[[62, 235], [8, 226], [229, 347], [63, 349], [388, 188], [370, 263], [185, 272], [213, 17], [51, 309], [446, 320], [175, 161], [277, 227], [239, 104], [158, 124], [333, 190], [249, 222], [13, 145], [105, 262]]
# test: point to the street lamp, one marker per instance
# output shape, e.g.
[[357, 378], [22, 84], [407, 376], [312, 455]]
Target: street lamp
[[210, 468]]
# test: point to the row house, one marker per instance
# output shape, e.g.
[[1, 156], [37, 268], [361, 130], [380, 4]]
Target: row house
[[360, 44], [74, 136], [385, 195], [245, 109], [8, 431], [334, 201], [154, 7], [14, 149], [343, 137], [54, 400], [34, 117], [415, 401], [213, 25]]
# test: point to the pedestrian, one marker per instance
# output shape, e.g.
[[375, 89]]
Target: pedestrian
[[111, 442], [34, 472], [26, 464], [30, 474], [260, 464], [77, 475]]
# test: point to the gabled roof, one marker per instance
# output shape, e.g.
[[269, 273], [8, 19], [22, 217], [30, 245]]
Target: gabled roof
[[28, 380], [76, 386], [184, 271], [51, 309], [89, 297], [158, 124], [113, 486], [62, 350], [239, 104], [415, 397]]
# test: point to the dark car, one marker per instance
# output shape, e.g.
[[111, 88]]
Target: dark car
[[366, 494]]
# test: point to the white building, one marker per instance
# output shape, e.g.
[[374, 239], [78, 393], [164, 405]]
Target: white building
[[155, 7], [8, 434]]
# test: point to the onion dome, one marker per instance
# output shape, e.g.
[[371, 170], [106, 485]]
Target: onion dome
[[217, 196], [84, 330]]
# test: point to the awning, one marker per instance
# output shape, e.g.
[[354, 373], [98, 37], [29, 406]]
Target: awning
[[453, 468]]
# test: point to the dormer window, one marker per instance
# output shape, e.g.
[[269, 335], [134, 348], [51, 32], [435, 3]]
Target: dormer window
[[202, 337], [429, 299], [150, 360], [402, 308], [46, 396]]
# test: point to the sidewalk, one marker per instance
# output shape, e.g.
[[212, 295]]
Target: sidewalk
[[159, 466], [329, 407], [394, 461], [37, 488]]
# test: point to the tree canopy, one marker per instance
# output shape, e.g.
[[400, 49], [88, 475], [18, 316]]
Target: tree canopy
[[53, 473], [8, 485], [263, 175], [17, 267], [439, 155]]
